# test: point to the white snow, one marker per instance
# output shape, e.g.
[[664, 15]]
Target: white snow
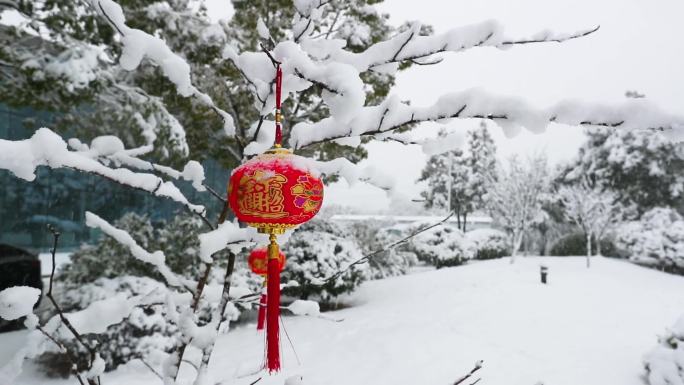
[[587, 326], [157, 258], [46, 148], [17, 301]]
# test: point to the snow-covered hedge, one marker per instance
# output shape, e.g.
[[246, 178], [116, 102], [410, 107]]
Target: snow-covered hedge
[[656, 240], [665, 363], [443, 246], [489, 243], [395, 261], [318, 250]]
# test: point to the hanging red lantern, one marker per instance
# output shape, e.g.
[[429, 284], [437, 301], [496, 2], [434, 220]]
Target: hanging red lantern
[[274, 192], [258, 263]]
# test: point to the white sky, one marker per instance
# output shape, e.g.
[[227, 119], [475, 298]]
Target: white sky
[[639, 47]]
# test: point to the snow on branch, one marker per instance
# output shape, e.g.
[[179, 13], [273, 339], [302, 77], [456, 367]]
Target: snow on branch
[[509, 113], [111, 148], [410, 46], [156, 259], [138, 44], [46, 148]]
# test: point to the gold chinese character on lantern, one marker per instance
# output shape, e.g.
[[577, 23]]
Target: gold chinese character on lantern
[[261, 194]]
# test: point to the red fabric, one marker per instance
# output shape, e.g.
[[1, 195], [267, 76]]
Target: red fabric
[[258, 261], [272, 317], [274, 189], [261, 318]]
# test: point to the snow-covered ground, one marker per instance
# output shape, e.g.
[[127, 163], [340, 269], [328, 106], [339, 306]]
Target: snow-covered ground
[[588, 326]]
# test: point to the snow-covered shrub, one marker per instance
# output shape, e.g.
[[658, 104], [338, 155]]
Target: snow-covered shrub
[[318, 250], [442, 246], [108, 258], [489, 243], [657, 239], [107, 268], [575, 244], [394, 261], [665, 363], [145, 332]]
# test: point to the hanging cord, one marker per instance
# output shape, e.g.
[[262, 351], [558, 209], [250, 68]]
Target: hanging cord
[[278, 115]]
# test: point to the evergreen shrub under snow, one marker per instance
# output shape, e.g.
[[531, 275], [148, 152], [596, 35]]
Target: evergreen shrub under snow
[[575, 244], [665, 363], [393, 261], [317, 250], [489, 243], [656, 240], [443, 246]]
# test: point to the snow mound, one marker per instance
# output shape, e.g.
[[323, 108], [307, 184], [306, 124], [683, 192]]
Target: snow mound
[[17, 301]]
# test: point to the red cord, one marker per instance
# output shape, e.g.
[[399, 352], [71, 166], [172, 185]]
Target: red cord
[[279, 90]]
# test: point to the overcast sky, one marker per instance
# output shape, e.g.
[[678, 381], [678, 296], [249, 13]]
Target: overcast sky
[[640, 47]]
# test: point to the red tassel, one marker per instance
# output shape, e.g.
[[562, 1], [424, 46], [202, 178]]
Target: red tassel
[[261, 318], [273, 309]]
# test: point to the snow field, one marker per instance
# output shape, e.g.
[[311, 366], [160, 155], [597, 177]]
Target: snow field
[[588, 326]]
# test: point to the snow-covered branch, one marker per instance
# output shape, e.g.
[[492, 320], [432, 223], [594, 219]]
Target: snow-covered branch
[[46, 148], [138, 44], [410, 46], [510, 113], [156, 259]]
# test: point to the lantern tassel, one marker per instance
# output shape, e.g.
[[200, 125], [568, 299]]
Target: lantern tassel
[[261, 317], [273, 308]]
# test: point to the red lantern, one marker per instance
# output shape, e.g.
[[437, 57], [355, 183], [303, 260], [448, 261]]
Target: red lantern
[[274, 192], [258, 262]]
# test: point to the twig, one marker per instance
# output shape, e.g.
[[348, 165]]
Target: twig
[[72, 361], [558, 40], [156, 373], [214, 193], [388, 247], [478, 366], [60, 312], [268, 53]]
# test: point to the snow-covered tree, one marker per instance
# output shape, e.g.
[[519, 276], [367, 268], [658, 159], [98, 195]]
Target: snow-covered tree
[[482, 159], [643, 168], [314, 62], [447, 176], [456, 180], [594, 211], [515, 199]]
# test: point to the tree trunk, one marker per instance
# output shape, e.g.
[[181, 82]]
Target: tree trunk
[[598, 246], [465, 215], [588, 250], [458, 217], [517, 240]]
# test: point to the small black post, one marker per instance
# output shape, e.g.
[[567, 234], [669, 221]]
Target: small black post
[[544, 271]]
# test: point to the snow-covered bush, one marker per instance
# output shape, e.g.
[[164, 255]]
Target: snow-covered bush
[[665, 363], [318, 250], [100, 271], [108, 258], [443, 246], [575, 244], [489, 243], [144, 333], [393, 261], [657, 239]]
